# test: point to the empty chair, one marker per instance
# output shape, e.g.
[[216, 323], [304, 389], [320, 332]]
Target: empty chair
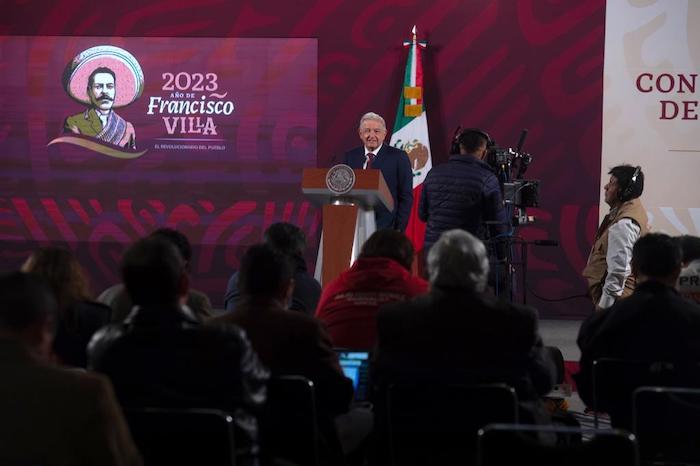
[[614, 381], [667, 423], [530, 445], [437, 424], [184, 436]]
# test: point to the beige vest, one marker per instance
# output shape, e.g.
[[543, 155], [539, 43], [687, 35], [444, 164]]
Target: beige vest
[[597, 268]]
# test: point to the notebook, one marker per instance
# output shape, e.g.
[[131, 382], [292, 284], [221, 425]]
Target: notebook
[[355, 365]]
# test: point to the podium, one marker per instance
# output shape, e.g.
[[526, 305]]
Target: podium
[[348, 217]]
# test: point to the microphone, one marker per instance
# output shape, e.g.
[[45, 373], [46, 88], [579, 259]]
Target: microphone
[[545, 242], [334, 159], [521, 141], [454, 145]]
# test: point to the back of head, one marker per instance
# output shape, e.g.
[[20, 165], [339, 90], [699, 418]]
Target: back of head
[[25, 299], [178, 239], [61, 270], [153, 272], [657, 256], [264, 272], [391, 244], [286, 238], [630, 181], [690, 245], [458, 260], [472, 140]]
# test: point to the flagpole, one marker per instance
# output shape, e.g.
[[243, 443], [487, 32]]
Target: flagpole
[[410, 132]]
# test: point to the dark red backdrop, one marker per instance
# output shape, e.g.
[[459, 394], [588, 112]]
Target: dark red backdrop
[[500, 65]]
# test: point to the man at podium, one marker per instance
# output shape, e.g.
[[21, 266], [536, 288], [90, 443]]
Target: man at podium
[[394, 165]]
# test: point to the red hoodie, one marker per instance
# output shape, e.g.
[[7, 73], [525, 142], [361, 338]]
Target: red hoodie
[[349, 304]]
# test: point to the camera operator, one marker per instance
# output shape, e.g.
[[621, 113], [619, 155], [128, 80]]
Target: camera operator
[[463, 193]]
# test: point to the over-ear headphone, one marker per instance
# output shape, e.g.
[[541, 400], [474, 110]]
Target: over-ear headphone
[[625, 194], [461, 133]]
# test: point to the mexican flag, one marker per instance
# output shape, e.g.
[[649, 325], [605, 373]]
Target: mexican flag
[[411, 132]]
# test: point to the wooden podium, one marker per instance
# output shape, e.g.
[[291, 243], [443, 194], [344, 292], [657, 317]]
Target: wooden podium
[[348, 218]]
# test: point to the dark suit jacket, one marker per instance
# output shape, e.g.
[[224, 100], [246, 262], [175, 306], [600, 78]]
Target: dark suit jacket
[[75, 329], [54, 416], [117, 298], [456, 337], [396, 169], [307, 290], [290, 342], [655, 323], [161, 357], [462, 337]]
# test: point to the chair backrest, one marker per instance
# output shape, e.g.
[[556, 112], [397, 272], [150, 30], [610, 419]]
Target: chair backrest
[[437, 424], [532, 445], [556, 356], [183, 436], [289, 427], [667, 423], [614, 381]]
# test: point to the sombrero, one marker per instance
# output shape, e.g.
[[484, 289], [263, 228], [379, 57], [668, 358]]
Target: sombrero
[[129, 76]]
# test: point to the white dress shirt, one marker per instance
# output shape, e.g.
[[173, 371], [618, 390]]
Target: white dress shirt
[[621, 238], [367, 151], [103, 117]]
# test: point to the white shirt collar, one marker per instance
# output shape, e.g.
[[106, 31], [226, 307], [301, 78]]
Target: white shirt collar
[[103, 118], [375, 151]]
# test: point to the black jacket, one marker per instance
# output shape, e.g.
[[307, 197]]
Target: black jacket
[[160, 357], [307, 290], [75, 328], [396, 170], [463, 337], [463, 193], [655, 323]]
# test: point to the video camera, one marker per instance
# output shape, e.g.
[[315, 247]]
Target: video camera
[[509, 165], [509, 162]]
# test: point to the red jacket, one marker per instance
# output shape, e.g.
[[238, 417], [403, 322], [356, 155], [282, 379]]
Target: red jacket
[[349, 304]]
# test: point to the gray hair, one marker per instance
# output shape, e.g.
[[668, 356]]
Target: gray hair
[[372, 116], [458, 260]]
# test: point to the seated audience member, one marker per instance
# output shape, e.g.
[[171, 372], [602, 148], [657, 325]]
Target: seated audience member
[[288, 342], [78, 316], [689, 278], [380, 275], [289, 240], [162, 357], [51, 415], [653, 324], [458, 333], [197, 303]]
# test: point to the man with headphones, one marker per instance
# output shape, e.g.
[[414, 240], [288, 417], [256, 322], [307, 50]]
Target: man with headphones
[[463, 193], [608, 271]]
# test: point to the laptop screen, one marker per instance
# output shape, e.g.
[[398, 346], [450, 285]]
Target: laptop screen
[[355, 365]]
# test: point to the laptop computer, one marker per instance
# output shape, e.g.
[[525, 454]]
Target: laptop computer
[[355, 365]]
